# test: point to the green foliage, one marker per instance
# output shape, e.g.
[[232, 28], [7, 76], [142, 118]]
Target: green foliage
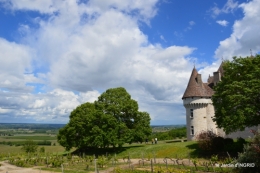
[[112, 120], [205, 140], [237, 97], [251, 154], [42, 150], [210, 143], [172, 134], [19, 143], [30, 146]]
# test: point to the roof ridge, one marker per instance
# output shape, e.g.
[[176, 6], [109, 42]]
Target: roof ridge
[[196, 87]]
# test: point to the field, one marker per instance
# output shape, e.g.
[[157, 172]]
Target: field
[[162, 149], [174, 155]]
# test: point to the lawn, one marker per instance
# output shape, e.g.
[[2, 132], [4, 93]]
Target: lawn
[[161, 150]]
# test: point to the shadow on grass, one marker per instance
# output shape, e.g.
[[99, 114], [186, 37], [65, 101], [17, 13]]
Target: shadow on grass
[[103, 151], [175, 141], [197, 152]]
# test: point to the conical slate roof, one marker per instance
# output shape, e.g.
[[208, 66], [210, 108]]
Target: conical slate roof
[[196, 88]]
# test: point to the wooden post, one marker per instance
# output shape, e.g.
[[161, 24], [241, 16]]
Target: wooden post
[[189, 159], [154, 157], [95, 162], [62, 168], [151, 166]]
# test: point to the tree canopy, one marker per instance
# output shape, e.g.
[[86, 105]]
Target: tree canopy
[[29, 146], [237, 96], [112, 120]]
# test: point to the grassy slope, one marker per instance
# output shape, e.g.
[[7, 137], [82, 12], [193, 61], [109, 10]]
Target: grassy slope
[[180, 149], [161, 150]]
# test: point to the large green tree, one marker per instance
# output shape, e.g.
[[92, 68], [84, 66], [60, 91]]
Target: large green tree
[[112, 120], [237, 96]]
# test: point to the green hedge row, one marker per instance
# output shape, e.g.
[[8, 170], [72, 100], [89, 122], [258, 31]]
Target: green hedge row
[[20, 143]]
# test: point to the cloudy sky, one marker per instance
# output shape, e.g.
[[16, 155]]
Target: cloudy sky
[[58, 54]]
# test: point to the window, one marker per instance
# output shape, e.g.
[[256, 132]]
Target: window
[[191, 113], [192, 130]]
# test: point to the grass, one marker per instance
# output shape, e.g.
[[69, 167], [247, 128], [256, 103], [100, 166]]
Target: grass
[[161, 150], [179, 150], [6, 149]]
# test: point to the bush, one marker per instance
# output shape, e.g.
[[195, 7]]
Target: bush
[[228, 141], [251, 154], [44, 143], [42, 150], [217, 144], [30, 146], [205, 140], [241, 140], [229, 145]]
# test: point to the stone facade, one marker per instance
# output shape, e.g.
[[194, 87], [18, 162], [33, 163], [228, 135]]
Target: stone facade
[[199, 113]]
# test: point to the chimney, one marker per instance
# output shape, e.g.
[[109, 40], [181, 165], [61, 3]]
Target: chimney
[[199, 80], [217, 77]]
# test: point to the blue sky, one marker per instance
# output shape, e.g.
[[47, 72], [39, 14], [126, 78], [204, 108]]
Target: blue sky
[[58, 54]]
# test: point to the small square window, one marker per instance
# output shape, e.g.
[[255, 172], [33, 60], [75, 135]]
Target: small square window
[[192, 130], [191, 113]]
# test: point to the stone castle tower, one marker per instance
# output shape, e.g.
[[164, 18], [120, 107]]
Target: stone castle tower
[[200, 110], [198, 104]]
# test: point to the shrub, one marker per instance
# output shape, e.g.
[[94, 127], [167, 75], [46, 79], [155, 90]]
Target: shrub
[[241, 140], [217, 144], [229, 145], [251, 154], [30, 146], [44, 143], [228, 141], [205, 140], [42, 150]]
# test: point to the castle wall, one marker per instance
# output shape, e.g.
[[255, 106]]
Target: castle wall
[[202, 112], [211, 125], [243, 134]]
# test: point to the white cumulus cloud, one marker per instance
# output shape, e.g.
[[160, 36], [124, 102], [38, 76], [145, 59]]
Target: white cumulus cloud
[[222, 22], [245, 35], [88, 48]]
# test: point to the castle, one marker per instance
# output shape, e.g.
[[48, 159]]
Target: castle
[[199, 107]]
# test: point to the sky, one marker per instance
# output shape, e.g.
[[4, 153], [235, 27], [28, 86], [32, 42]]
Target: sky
[[58, 54]]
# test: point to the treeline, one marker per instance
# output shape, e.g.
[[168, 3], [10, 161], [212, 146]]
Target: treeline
[[171, 134], [30, 126], [20, 143]]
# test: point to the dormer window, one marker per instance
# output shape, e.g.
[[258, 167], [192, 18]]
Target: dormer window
[[191, 113]]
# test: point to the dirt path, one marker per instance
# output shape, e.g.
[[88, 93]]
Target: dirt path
[[8, 168]]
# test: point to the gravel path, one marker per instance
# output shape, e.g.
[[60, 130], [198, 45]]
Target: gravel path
[[8, 168]]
